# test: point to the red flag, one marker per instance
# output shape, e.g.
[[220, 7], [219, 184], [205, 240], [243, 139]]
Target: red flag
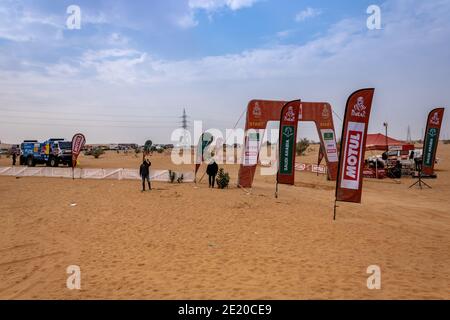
[[353, 141], [431, 140], [78, 142], [288, 142]]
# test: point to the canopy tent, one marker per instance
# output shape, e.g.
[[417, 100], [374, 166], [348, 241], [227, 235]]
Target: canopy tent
[[378, 142]]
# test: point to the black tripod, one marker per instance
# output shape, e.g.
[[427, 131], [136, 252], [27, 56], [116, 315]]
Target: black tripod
[[420, 181]]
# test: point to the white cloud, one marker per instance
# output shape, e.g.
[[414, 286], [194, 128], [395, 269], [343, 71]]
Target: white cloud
[[187, 21], [307, 13], [210, 7]]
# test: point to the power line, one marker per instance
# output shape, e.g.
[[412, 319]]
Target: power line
[[82, 125], [85, 114]]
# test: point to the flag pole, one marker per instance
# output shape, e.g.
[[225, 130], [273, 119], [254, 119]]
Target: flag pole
[[335, 206], [276, 189]]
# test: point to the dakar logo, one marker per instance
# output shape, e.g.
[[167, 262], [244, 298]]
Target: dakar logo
[[257, 110], [290, 115], [325, 112], [435, 119], [359, 109]]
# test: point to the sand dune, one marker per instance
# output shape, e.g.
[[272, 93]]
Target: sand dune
[[189, 242]]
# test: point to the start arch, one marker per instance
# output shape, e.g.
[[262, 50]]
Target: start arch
[[260, 112]]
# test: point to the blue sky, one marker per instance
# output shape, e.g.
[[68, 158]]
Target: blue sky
[[134, 65]]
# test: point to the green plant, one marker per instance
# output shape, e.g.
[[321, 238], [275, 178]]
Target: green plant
[[302, 146], [97, 152], [223, 179]]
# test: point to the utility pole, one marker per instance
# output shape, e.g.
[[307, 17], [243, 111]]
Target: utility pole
[[386, 127], [408, 135], [184, 140]]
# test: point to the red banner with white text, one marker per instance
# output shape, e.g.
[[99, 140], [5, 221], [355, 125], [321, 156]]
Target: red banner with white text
[[353, 141]]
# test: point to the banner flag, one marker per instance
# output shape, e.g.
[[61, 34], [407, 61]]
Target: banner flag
[[288, 142], [431, 140], [78, 142], [353, 142], [205, 140]]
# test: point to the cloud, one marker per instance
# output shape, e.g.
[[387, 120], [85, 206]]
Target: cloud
[[188, 20], [213, 5], [307, 13]]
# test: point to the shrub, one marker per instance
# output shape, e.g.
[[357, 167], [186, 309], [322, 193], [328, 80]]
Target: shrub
[[97, 152], [302, 146], [223, 179]]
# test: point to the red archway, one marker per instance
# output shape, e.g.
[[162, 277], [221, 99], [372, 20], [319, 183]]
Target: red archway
[[260, 112]]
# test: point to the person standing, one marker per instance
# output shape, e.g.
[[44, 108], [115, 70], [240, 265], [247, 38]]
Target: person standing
[[212, 170], [14, 155], [144, 172]]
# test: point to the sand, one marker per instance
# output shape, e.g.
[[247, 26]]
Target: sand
[[190, 242]]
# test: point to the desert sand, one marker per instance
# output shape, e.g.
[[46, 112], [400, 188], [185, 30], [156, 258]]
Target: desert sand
[[185, 241]]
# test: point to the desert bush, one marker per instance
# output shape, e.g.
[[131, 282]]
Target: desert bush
[[223, 179], [302, 146], [97, 152]]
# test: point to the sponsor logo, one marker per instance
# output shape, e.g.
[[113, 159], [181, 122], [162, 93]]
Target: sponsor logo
[[353, 155], [359, 109], [352, 158], [435, 119], [325, 112], [290, 115], [257, 112], [288, 132]]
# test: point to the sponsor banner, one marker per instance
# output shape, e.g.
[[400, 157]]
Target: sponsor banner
[[251, 152], [353, 141], [431, 140], [78, 142], [329, 142], [307, 167], [288, 141]]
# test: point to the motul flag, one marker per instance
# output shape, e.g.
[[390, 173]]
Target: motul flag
[[288, 142], [353, 142], [78, 142], [431, 140]]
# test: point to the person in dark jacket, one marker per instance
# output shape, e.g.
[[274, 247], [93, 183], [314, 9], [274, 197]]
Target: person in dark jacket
[[212, 170], [14, 157], [144, 172]]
